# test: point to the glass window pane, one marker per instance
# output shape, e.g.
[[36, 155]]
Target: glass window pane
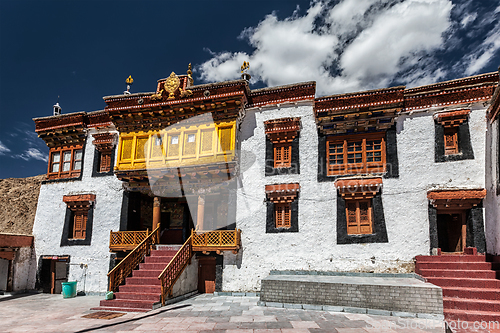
[[191, 138], [66, 156], [55, 167], [78, 154], [78, 165], [66, 166], [175, 140], [56, 157]]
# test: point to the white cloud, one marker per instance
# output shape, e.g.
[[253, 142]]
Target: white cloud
[[35, 154], [3, 149], [485, 52], [468, 18], [353, 45]]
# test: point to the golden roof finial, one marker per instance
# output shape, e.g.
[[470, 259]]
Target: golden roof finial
[[129, 82], [245, 66], [190, 75], [244, 71]]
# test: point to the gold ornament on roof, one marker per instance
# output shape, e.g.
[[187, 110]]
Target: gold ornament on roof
[[190, 75], [171, 85], [245, 66], [157, 96], [129, 80], [185, 92]]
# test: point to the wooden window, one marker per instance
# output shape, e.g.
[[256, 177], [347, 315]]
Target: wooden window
[[79, 224], [451, 140], [356, 154], [282, 215], [65, 162], [359, 217], [105, 162], [282, 155]]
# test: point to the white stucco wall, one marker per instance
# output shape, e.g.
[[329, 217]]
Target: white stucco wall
[[314, 247], [24, 269], [492, 200], [49, 223]]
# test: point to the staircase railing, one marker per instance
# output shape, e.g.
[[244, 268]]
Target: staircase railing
[[216, 240], [174, 269], [126, 240], [118, 274]]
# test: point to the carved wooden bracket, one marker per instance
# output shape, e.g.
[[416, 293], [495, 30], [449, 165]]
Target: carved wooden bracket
[[282, 193], [282, 130], [358, 188]]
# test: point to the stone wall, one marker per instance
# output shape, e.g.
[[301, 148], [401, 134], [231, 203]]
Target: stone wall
[[389, 294]]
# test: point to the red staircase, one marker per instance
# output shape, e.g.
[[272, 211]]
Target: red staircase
[[141, 292], [470, 283]]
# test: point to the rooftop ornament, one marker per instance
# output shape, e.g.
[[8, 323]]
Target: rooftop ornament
[[129, 82], [244, 71], [57, 108]]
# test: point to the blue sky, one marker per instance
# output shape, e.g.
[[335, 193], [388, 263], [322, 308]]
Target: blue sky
[[84, 50]]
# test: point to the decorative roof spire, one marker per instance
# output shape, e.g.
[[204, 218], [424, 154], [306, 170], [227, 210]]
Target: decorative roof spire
[[57, 108], [129, 82], [190, 75], [244, 71]]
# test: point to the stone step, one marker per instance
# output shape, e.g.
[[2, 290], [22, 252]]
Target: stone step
[[469, 274], [469, 315], [472, 293], [153, 266], [158, 259], [140, 289], [146, 273], [134, 304], [162, 247], [458, 265], [464, 283], [143, 281], [154, 297], [163, 253], [118, 309], [452, 258], [471, 304]]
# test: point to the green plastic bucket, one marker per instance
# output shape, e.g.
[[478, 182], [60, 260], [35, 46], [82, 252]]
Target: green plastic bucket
[[69, 289]]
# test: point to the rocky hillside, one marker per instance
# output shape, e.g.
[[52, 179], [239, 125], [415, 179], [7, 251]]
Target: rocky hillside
[[18, 200]]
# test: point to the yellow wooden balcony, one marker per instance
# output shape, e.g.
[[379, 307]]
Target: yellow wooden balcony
[[126, 240], [217, 240]]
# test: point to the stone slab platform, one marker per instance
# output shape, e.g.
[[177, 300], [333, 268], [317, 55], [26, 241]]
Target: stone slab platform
[[406, 295]]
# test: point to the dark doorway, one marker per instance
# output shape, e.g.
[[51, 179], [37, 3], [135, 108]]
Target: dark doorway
[[53, 272], [206, 275], [176, 221], [451, 231]]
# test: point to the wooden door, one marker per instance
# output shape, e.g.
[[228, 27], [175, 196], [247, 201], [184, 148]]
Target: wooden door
[[206, 275]]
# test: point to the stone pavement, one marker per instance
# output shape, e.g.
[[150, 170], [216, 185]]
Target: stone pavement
[[201, 314]]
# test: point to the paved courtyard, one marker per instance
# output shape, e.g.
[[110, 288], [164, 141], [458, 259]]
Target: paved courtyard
[[202, 313]]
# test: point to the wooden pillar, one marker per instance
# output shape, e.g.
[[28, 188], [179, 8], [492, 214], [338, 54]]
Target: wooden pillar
[[156, 212], [201, 212]]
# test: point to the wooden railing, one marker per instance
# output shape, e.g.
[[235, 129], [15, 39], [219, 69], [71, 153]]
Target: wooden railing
[[174, 269], [126, 240], [118, 274], [217, 240]]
